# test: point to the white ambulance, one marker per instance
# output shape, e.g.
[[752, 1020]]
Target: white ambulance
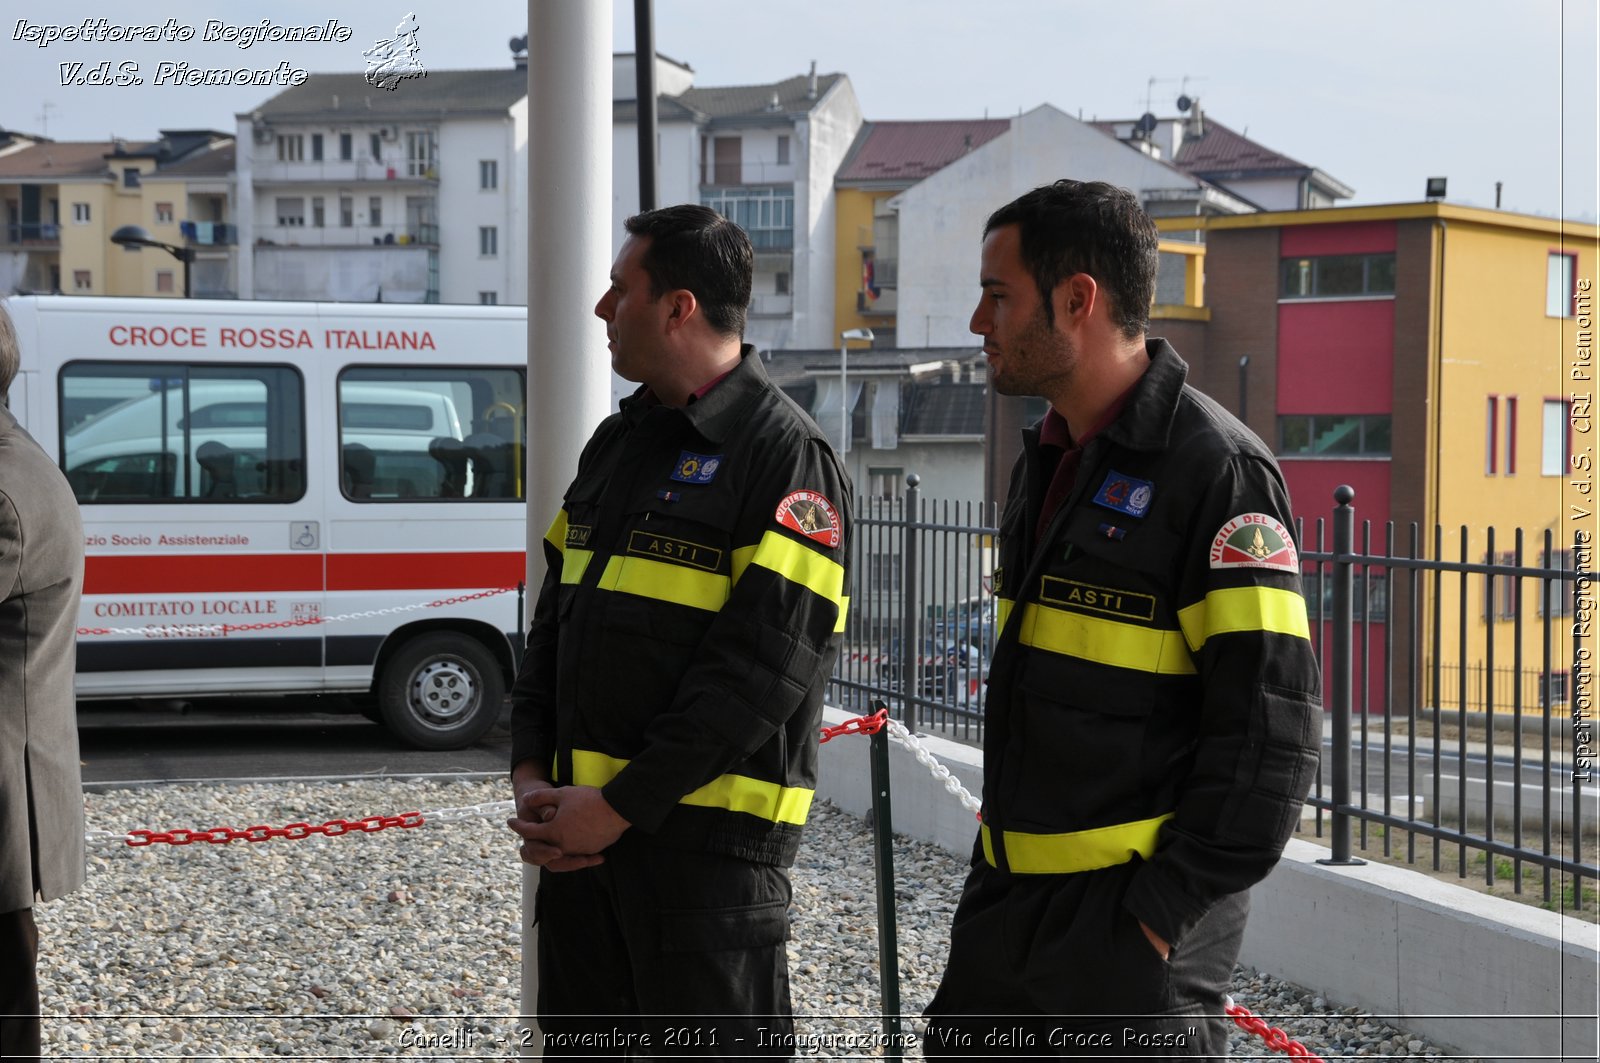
[[291, 498]]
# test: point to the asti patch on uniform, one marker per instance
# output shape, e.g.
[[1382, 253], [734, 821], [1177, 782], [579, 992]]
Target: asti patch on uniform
[[810, 514], [696, 468], [1125, 494], [675, 551], [1083, 597], [1254, 540]]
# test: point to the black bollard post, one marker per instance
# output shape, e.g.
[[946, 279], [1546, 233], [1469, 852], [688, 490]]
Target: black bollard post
[[883, 873]]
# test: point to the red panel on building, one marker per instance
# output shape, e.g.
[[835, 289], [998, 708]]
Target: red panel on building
[[1350, 238], [1311, 483], [1336, 356]]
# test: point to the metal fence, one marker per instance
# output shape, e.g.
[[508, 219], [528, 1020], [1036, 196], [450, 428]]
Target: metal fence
[[1457, 678]]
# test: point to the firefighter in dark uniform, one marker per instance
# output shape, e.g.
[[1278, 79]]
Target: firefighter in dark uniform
[[1153, 717], [665, 720]]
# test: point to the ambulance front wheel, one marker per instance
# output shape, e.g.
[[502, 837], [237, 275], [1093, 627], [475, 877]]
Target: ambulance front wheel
[[442, 690]]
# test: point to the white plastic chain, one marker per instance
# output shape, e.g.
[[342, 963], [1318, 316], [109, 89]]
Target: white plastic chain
[[438, 816], [898, 732], [200, 630]]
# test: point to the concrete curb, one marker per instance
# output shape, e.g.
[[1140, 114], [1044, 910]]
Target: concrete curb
[[1491, 977]]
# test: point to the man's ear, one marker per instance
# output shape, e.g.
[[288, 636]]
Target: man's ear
[[1075, 298], [682, 308]]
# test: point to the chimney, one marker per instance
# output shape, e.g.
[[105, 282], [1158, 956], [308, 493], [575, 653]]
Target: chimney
[[1195, 124], [811, 88], [336, 101]]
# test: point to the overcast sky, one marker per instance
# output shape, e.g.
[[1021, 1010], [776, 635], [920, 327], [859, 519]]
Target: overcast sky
[[1380, 94]]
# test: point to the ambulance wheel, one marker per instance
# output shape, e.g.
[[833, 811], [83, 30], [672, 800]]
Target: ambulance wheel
[[442, 690]]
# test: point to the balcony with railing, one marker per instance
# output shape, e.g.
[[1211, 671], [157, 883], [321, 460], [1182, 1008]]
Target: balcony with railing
[[345, 171], [419, 234], [772, 305], [42, 234]]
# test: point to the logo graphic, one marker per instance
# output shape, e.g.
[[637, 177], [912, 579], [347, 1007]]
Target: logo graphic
[[696, 468], [811, 515], [392, 61], [1254, 540], [1125, 494]]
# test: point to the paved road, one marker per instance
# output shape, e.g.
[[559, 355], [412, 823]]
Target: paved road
[[259, 738]]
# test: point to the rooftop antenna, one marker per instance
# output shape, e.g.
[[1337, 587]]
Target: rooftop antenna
[[44, 117], [1150, 91], [1185, 101]]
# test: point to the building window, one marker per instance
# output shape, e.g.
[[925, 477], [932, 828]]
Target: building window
[[1369, 600], [420, 152], [765, 213], [130, 177], [1334, 435], [316, 147], [1327, 276], [1511, 435], [783, 151], [488, 298], [1506, 590], [1557, 438], [347, 212], [727, 166], [1560, 271], [883, 482], [781, 283], [883, 572], [80, 213], [163, 213], [291, 147], [347, 147], [374, 210], [376, 146], [318, 215], [164, 280], [488, 241], [1491, 436], [81, 281], [291, 210], [1554, 688], [1562, 593], [488, 174]]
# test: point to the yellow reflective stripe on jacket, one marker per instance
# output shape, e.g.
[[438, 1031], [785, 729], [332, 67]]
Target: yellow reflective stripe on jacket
[[1002, 612], [735, 793], [650, 578], [1092, 638], [844, 610], [573, 560], [821, 575], [1232, 609], [1079, 850]]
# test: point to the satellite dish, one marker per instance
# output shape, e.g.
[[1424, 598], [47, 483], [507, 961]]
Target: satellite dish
[[1184, 103], [1146, 123]]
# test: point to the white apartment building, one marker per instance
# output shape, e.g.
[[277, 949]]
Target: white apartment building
[[765, 156], [354, 193]]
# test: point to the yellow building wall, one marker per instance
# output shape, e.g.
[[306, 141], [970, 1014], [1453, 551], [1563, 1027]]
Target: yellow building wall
[[84, 245], [853, 209], [1497, 340]]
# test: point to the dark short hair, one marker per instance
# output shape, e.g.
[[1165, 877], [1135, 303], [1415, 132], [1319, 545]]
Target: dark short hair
[[1088, 227], [694, 247], [10, 353]]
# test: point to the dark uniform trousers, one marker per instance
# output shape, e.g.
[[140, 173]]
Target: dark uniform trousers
[[1023, 945], [651, 946], [19, 985]]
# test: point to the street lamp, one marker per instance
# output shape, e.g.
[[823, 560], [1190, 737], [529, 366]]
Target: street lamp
[[844, 391], [136, 236]]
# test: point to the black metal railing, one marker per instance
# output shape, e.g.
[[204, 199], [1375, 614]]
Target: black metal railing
[[1457, 679]]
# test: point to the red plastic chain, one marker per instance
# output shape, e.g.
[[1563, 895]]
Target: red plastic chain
[[294, 831], [1275, 1038], [861, 725]]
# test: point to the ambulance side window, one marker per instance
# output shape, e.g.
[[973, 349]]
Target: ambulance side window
[[442, 434], [174, 432]]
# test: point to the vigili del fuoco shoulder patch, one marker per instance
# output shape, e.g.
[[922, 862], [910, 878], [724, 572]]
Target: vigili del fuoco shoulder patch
[[811, 515], [1254, 540]]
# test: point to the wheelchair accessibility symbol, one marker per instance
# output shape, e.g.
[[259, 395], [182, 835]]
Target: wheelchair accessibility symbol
[[303, 535]]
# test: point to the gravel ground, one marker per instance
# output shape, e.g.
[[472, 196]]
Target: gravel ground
[[406, 942]]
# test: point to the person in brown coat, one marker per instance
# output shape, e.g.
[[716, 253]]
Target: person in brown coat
[[41, 791]]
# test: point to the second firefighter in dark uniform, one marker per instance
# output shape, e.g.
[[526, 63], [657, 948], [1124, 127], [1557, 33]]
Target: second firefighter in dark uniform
[[665, 722], [1152, 718]]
